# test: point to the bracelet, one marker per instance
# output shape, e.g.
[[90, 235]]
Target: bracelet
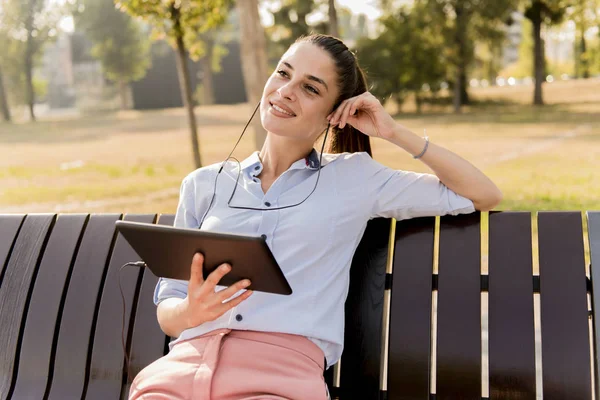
[[424, 149]]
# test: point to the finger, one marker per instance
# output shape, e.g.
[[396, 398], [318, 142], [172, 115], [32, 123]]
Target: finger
[[336, 115], [233, 289], [224, 307], [196, 276], [340, 112], [347, 112], [213, 279]]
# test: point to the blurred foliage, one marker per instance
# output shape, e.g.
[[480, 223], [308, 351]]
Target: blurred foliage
[[118, 41], [36, 20], [187, 19], [407, 56]]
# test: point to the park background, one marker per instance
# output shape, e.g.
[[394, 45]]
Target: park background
[[96, 96]]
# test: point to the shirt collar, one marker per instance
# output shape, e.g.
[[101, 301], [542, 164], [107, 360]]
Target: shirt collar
[[253, 165]]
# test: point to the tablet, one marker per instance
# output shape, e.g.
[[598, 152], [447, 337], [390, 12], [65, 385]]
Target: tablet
[[168, 253]]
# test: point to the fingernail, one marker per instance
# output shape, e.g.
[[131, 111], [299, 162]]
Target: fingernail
[[246, 283], [225, 268]]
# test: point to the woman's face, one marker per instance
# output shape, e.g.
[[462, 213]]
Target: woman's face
[[304, 85]]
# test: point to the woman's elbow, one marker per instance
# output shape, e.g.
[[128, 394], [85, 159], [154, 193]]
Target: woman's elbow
[[490, 201]]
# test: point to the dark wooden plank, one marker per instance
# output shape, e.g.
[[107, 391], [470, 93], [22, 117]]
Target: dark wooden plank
[[564, 312], [78, 317], [360, 366], [107, 362], [511, 329], [459, 308], [44, 309], [9, 227], [147, 339], [15, 293], [594, 238], [409, 356]]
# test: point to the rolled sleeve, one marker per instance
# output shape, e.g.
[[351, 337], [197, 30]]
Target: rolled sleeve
[[404, 194], [184, 218]]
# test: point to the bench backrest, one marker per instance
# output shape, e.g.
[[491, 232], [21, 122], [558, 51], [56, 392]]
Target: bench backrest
[[61, 312]]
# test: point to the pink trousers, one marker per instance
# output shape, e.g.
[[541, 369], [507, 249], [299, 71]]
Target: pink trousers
[[235, 365]]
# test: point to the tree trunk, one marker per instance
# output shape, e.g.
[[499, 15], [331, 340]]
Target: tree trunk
[[583, 57], [460, 44], [464, 93], [333, 20], [186, 92], [4, 100], [29, 50], [124, 95], [208, 91], [538, 54], [254, 60]]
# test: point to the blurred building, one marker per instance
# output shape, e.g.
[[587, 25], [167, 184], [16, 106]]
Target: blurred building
[[56, 71], [74, 78], [514, 31]]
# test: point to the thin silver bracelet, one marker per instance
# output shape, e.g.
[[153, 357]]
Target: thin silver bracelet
[[424, 149]]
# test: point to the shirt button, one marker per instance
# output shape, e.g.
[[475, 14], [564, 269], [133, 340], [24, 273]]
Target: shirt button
[[239, 317], [267, 204], [263, 236], [257, 168]]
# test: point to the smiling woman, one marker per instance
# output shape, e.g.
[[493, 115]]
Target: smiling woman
[[312, 210]]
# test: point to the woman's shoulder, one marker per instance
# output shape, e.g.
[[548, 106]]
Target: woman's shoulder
[[347, 160], [200, 174]]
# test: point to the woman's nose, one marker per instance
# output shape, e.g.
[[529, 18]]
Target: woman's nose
[[286, 91]]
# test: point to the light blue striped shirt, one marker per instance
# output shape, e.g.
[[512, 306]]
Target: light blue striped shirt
[[313, 243]]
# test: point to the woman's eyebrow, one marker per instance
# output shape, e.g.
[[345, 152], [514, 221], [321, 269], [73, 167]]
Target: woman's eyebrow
[[311, 77]]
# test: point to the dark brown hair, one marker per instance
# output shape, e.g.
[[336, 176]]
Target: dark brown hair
[[351, 82]]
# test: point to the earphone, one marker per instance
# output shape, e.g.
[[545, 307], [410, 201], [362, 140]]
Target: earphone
[[240, 170]]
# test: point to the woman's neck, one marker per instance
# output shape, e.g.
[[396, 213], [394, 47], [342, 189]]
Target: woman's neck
[[278, 154]]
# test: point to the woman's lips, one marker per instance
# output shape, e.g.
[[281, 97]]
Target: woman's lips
[[279, 113]]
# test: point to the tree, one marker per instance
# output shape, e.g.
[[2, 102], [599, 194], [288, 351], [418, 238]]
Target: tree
[[290, 22], [541, 12], [3, 100], [460, 19], [28, 26], [254, 59], [333, 19], [119, 43], [182, 21], [3, 92], [407, 56], [583, 14]]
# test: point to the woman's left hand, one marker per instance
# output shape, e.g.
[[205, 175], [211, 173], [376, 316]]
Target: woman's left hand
[[365, 113]]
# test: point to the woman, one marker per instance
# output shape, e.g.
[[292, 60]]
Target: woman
[[312, 209]]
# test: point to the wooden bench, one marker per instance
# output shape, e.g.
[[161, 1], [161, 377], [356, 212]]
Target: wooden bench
[[61, 312]]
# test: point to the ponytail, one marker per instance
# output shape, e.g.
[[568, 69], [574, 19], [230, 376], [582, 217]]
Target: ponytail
[[350, 139]]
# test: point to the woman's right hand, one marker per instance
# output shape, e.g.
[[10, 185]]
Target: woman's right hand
[[202, 303]]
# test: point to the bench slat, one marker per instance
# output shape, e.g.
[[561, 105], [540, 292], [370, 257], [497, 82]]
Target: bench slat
[[564, 310], [78, 319], [594, 238], [44, 309], [107, 362], [459, 308], [409, 356], [15, 292], [9, 227], [361, 361], [511, 327], [147, 339]]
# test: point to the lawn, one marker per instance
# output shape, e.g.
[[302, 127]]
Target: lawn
[[543, 158]]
